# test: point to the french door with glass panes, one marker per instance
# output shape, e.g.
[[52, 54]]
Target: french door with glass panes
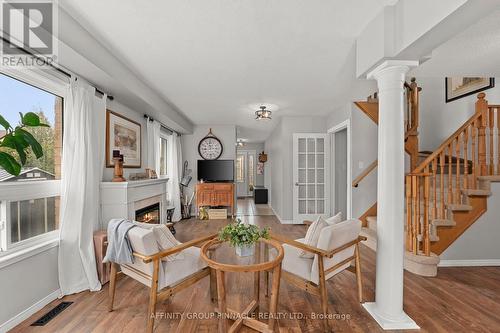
[[245, 172], [310, 176]]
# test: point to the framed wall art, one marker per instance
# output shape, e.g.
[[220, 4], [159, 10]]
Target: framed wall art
[[458, 87], [124, 135]]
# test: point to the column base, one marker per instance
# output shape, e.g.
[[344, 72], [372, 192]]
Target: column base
[[403, 323]]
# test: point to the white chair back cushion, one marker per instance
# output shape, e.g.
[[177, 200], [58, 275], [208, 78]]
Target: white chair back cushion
[[333, 237], [143, 241]]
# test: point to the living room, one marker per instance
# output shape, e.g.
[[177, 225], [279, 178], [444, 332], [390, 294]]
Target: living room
[[270, 166]]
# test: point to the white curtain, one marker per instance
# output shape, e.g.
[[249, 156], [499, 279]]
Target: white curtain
[[174, 168], [153, 132], [82, 168]]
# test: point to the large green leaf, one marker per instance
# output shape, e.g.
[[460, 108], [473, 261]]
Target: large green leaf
[[32, 119], [18, 143], [9, 163], [5, 124], [29, 138]]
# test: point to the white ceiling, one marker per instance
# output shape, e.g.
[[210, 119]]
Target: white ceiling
[[214, 58], [473, 52]]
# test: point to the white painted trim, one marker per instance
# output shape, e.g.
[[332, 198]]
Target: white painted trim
[[346, 124], [403, 323], [279, 217], [469, 263], [20, 253], [25, 314]]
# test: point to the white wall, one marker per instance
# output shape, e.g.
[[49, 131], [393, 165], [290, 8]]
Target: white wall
[[258, 148], [274, 170], [225, 133], [363, 153], [280, 155], [480, 241], [438, 120], [29, 283]]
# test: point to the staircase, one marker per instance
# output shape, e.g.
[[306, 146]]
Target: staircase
[[447, 191]]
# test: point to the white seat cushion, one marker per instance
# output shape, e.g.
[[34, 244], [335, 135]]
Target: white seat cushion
[[333, 237], [294, 263], [177, 270], [144, 241]]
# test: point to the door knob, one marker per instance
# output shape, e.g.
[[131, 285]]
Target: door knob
[[296, 183]]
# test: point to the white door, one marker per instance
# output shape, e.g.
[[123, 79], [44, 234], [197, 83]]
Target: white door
[[311, 190], [245, 172]]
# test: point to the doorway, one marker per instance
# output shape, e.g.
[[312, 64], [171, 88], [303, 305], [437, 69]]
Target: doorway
[[311, 190], [341, 169], [245, 172]]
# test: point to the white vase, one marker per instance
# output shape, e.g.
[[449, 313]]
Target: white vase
[[245, 250]]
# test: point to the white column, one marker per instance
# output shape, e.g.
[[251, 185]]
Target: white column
[[388, 307]]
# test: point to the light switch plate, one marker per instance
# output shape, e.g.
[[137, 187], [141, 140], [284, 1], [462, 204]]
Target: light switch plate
[[361, 165]]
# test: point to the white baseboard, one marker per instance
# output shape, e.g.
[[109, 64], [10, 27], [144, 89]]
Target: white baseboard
[[279, 217], [25, 314], [470, 263]]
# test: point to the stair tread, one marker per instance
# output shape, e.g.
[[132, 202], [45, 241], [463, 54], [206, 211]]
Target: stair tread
[[491, 178], [443, 223], [473, 192], [459, 207]]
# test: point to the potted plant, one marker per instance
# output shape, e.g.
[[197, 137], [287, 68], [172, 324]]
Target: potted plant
[[243, 236]]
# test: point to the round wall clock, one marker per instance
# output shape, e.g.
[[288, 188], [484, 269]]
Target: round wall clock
[[210, 147]]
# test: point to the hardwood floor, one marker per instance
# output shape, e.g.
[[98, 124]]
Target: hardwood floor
[[247, 207], [457, 300]]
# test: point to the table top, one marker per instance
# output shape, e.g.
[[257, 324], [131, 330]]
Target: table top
[[222, 256]]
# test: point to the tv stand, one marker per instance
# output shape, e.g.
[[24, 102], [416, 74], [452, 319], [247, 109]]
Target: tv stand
[[215, 195]]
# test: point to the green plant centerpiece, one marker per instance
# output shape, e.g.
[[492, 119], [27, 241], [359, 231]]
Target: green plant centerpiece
[[243, 236]]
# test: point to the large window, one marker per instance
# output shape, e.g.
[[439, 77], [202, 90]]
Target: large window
[[29, 202], [163, 155]]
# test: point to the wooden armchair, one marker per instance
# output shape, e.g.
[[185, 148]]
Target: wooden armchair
[[338, 246], [164, 278]]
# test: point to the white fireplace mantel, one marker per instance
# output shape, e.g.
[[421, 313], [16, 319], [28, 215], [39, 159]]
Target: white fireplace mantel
[[122, 199]]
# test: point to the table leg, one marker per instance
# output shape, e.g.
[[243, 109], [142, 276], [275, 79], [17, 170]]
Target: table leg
[[256, 277], [221, 293], [266, 273], [273, 306]]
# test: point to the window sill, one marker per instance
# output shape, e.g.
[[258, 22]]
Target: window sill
[[15, 255]]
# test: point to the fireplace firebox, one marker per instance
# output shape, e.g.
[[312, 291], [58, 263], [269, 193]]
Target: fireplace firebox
[[149, 214]]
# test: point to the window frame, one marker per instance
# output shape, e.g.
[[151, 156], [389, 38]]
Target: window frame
[[54, 83], [164, 136]]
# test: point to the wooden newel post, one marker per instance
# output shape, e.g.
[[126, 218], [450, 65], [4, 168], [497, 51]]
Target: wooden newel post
[[482, 108]]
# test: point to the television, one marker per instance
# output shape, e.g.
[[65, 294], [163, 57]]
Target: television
[[216, 170]]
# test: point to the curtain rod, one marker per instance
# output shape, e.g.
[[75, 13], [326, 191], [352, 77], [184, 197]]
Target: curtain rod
[[60, 70], [161, 124]]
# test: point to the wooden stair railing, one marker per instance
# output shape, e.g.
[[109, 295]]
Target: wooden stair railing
[[370, 108], [442, 183]]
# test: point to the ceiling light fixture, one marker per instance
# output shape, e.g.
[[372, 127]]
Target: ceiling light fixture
[[239, 143], [263, 114]]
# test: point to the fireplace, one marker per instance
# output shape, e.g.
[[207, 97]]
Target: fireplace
[[149, 214]]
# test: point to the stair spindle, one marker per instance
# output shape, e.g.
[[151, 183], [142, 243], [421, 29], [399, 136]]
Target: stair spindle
[[457, 171], [498, 140], [425, 233], [409, 203], [416, 204], [441, 185], [466, 158], [434, 188], [450, 173], [491, 124]]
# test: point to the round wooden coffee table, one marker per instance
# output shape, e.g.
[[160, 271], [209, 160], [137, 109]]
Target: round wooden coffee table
[[223, 259]]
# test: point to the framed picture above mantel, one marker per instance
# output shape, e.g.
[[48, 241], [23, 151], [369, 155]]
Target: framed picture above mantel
[[458, 87], [124, 135]]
